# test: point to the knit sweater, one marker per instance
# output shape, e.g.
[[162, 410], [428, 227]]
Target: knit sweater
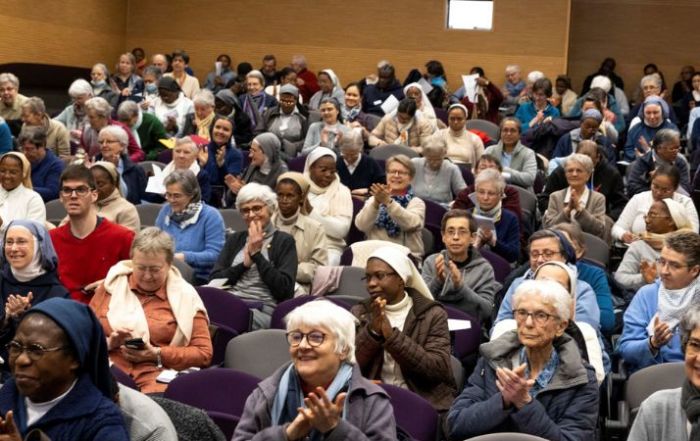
[[366, 173], [660, 417], [46, 175], [442, 186], [151, 131], [120, 211], [628, 274]]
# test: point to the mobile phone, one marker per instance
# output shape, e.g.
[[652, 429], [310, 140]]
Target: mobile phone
[[135, 343]]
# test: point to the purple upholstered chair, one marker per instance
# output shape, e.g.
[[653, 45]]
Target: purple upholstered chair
[[123, 378], [284, 308], [466, 341], [296, 164], [501, 267], [225, 309], [413, 413]]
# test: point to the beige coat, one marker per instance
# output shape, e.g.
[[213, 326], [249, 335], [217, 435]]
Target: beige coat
[[58, 138], [592, 219], [120, 211], [387, 131]]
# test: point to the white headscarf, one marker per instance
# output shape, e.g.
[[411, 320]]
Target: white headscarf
[[679, 214], [571, 270], [403, 266], [34, 269], [425, 110]]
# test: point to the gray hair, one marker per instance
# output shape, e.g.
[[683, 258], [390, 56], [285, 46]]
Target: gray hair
[[79, 87], [326, 314], [153, 240], [689, 322], [188, 182], [127, 110], [152, 70], [687, 244], [551, 293], [104, 69], [186, 140], [582, 159], [257, 192], [493, 176], [534, 76], [205, 97], [512, 68], [653, 78], [299, 59], [100, 106], [11, 78], [35, 105], [352, 140], [435, 146], [664, 136], [117, 132], [403, 160], [36, 135]]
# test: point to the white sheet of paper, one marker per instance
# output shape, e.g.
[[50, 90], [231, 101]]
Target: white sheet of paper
[[470, 86], [390, 104], [483, 222], [221, 283], [155, 182], [218, 68], [458, 325], [425, 85]]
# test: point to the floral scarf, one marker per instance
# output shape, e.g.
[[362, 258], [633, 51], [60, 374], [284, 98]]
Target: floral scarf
[[385, 221], [186, 217]]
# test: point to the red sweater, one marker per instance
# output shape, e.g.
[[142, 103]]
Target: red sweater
[[310, 85], [83, 261]]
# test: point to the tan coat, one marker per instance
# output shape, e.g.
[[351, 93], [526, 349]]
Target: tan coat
[[120, 211], [58, 138], [592, 219], [387, 131]]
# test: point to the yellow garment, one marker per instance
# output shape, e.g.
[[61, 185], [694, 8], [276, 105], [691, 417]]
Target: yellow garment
[[203, 125]]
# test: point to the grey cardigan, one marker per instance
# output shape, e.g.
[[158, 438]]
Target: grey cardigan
[[660, 417], [444, 187], [628, 274], [370, 416], [523, 165]]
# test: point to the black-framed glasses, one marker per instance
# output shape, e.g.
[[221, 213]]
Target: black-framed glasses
[[379, 275], [80, 191], [313, 338], [33, 351], [539, 317]]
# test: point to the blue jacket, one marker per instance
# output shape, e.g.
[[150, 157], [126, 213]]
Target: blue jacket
[[507, 236], [526, 112], [46, 175], [566, 409], [233, 164], [83, 415], [598, 281], [565, 146], [201, 242], [5, 137], [634, 343], [643, 130], [639, 174], [373, 97]]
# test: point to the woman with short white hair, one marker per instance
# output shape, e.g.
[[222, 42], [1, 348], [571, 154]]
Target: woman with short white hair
[[437, 178], [200, 122], [113, 141], [101, 85], [99, 115], [74, 116], [34, 115]]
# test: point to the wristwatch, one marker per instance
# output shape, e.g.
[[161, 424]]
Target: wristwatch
[[159, 361]]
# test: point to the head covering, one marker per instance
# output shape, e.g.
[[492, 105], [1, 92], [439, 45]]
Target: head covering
[[654, 99], [569, 251], [315, 155], [297, 177], [592, 114], [404, 267], [570, 270], [169, 83], [602, 82], [426, 107], [270, 145], [85, 334], [679, 214], [26, 168], [460, 106], [111, 169], [290, 89], [228, 97], [45, 258]]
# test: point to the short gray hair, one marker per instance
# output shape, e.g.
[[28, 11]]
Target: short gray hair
[[7, 77], [551, 293], [324, 313], [204, 96], [188, 182], [100, 106], [299, 59], [103, 68], [127, 110], [153, 240], [257, 192], [435, 146], [664, 136], [512, 68], [353, 140], [35, 105], [490, 175], [79, 87], [118, 132], [582, 159], [186, 140], [689, 322], [652, 78], [152, 70], [685, 243], [403, 160]]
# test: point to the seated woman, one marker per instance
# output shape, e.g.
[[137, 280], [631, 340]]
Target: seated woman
[[17, 199], [577, 202], [196, 228], [519, 162], [309, 236], [74, 116], [403, 128], [145, 127], [670, 413], [259, 264], [534, 112], [113, 142], [286, 122], [463, 146], [172, 106], [330, 87], [329, 131], [352, 111], [488, 97], [498, 228], [226, 104], [186, 156], [665, 150], [664, 185], [99, 115], [394, 213], [151, 76], [57, 136], [255, 102], [146, 298], [221, 157], [437, 179], [200, 122], [179, 61], [264, 167], [127, 83], [402, 338], [78, 391], [110, 204], [330, 202], [589, 129], [101, 87], [424, 107], [564, 96], [653, 115], [650, 334], [638, 266], [357, 171], [532, 380], [337, 396]]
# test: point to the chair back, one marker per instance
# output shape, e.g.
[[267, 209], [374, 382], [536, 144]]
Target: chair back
[[596, 249], [259, 353], [429, 243], [433, 212], [233, 219], [386, 151], [186, 271], [528, 201], [55, 210], [283, 308], [466, 341], [354, 234], [297, 164], [413, 413], [220, 336], [351, 283], [487, 127], [147, 167], [506, 436], [458, 372], [314, 116], [467, 174], [362, 250], [225, 309], [148, 213], [641, 384], [165, 156], [501, 267]]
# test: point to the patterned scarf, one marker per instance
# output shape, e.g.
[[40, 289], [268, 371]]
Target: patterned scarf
[[515, 89], [673, 302], [186, 217], [351, 114], [385, 221]]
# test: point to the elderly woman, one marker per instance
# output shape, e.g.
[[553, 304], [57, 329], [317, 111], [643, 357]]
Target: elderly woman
[[179, 60], [199, 123], [196, 228], [17, 199], [357, 171], [256, 101], [536, 111], [403, 338], [259, 264], [286, 121], [151, 76], [292, 218], [671, 413], [404, 127], [518, 161], [113, 141], [329, 88], [153, 318], [57, 137], [101, 86], [352, 110], [59, 361], [394, 213], [463, 146], [329, 131], [322, 393], [330, 202], [172, 106], [589, 129], [146, 128], [436, 179], [186, 156], [99, 115], [638, 266], [532, 380], [111, 204], [653, 116], [221, 157], [226, 104], [650, 334], [127, 83], [74, 116], [425, 109], [665, 149], [577, 202], [664, 185]]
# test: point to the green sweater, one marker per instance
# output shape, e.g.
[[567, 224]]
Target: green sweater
[[150, 131]]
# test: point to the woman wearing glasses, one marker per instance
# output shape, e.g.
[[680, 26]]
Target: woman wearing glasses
[[394, 213], [321, 394], [17, 199], [259, 264], [650, 334], [403, 339], [196, 228], [113, 141], [531, 380]]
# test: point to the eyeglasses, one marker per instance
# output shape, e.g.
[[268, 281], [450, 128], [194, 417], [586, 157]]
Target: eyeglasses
[[380, 276], [655, 216], [80, 191], [538, 317], [692, 346], [148, 269], [459, 232], [34, 351], [397, 172], [107, 141], [671, 264], [174, 196], [547, 254], [256, 209], [313, 338]]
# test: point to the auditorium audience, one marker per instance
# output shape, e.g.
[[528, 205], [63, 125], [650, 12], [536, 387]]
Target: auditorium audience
[[518, 161], [488, 97], [424, 109], [226, 104], [589, 129], [46, 166], [172, 106], [113, 141], [357, 170], [18, 200], [514, 88], [255, 101], [329, 131], [111, 203], [353, 114], [145, 127], [57, 137], [189, 84], [665, 147], [538, 110], [406, 127], [437, 178], [99, 114], [463, 146], [374, 95], [128, 85], [330, 87], [286, 122], [199, 123], [221, 157]]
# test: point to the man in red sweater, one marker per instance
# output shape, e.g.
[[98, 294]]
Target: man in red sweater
[[88, 245]]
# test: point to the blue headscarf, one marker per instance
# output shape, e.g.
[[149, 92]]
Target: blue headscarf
[[47, 254], [85, 334]]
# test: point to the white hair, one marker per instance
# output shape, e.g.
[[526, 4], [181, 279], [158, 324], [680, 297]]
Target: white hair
[[534, 76], [550, 293], [205, 97], [652, 78], [602, 82], [11, 78], [253, 191], [490, 175], [326, 314], [582, 159], [511, 68], [118, 132], [79, 87], [186, 140], [100, 106]]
